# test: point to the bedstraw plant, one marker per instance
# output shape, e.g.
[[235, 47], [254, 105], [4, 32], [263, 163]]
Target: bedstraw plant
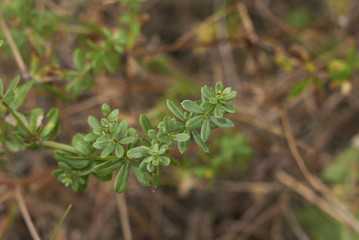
[[113, 146]]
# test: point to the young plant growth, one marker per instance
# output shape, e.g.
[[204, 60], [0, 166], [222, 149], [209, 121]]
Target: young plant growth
[[112, 146]]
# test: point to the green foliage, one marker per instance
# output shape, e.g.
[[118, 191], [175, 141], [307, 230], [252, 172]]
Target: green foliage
[[111, 145], [299, 18]]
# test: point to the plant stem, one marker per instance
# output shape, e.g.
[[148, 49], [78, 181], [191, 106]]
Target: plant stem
[[58, 146], [17, 118]]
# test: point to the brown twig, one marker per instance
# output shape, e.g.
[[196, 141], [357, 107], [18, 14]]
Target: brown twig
[[25, 214], [18, 59], [333, 202], [292, 220], [123, 213]]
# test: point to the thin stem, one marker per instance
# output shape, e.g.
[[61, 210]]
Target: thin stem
[[58, 146], [17, 118], [25, 214]]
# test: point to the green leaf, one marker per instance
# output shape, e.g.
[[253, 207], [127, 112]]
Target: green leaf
[[192, 106], [219, 87], [94, 122], [175, 109], [52, 127], [205, 130], [122, 178], [91, 137], [299, 87], [206, 93], [168, 124], [229, 96], [222, 122], [165, 161], [127, 140], [70, 160], [108, 150], [195, 122], [156, 177], [183, 146], [181, 137], [53, 237], [101, 142], [1, 88], [163, 137], [123, 128], [79, 59], [203, 145], [131, 132], [111, 61], [119, 151], [1, 42], [143, 177], [105, 109], [12, 84], [109, 166], [113, 115], [20, 94], [36, 119], [228, 108], [218, 113], [136, 153], [145, 123], [81, 145]]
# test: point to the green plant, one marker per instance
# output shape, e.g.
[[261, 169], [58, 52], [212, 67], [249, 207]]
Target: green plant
[[119, 145]]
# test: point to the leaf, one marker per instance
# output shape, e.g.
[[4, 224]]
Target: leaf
[[299, 87], [81, 145], [192, 106], [93, 122], [175, 109], [168, 124], [108, 167], [53, 237], [12, 85], [111, 61], [52, 127], [143, 177], [195, 122], [156, 177], [229, 96], [91, 137], [122, 178], [136, 153], [228, 108], [1, 42], [206, 93], [70, 160], [127, 140], [181, 137], [113, 115], [218, 113], [20, 94], [219, 87], [122, 128], [1, 88], [145, 123], [36, 119], [105, 109], [163, 137], [131, 132], [119, 151], [165, 161], [205, 130], [339, 71], [222, 122], [79, 59], [203, 145], [108, 150]]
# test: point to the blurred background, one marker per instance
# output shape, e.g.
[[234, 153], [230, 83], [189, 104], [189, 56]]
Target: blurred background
[[287, 170]]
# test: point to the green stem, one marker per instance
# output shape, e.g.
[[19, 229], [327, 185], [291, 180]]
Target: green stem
[[17, 118], [58, 146]]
